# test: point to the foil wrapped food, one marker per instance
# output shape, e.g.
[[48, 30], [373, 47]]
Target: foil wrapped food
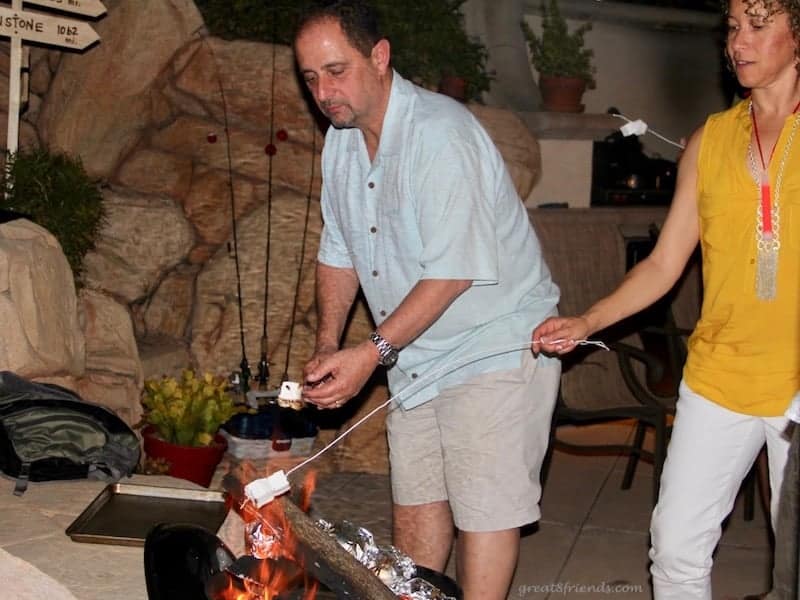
[[394, 568], [420, 589], [261, 540]]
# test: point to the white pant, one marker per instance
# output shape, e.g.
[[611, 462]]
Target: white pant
[[710, 452]]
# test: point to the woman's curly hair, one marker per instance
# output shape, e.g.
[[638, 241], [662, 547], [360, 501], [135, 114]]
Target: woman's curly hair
[[774, 7]]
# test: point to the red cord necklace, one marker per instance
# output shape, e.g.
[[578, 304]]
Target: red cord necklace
[[766, 193]]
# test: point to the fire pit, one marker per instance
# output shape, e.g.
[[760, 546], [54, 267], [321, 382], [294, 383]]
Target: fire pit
[[180, 560], [309, 560]]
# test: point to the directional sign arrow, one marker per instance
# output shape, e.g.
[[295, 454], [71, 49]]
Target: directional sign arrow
[[90, 8], [46, 29]]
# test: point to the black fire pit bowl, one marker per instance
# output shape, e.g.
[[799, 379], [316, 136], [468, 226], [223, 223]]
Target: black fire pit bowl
[[445, 583], [180, 559], [188, 562]]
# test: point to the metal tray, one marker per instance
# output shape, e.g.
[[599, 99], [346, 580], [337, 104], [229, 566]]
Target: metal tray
[[123, 514]]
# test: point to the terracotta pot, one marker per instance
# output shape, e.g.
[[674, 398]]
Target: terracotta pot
[[194, 463], [453, 86], [562, 94]]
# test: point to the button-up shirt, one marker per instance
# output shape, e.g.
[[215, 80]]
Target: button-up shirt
[[435, 203]]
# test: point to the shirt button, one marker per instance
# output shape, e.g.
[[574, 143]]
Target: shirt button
[[383, 313], [370, 185], [374, 273], [414, 376], [373, 229]]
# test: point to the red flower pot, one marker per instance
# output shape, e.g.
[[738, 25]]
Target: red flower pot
[[195, 463]]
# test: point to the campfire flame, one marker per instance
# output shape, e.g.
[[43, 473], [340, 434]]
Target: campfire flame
[[277, 567]]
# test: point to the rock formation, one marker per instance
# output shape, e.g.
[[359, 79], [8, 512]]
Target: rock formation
[[82, 341], [38, 305]]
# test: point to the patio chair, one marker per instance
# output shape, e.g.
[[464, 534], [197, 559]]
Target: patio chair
[[588, 251]]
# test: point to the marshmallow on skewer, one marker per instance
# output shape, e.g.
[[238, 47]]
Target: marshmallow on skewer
[[291, 395], [265, 490]]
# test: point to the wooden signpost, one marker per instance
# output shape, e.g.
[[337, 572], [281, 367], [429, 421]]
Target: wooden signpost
[[46, 29], [89, 8]]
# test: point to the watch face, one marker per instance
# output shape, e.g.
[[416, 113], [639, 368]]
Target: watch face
[[390, 359]]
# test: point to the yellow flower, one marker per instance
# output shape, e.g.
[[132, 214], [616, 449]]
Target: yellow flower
[[190, 410]]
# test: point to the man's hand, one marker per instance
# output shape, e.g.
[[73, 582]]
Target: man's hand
[[320, 355], [557, 335], [333, 378]]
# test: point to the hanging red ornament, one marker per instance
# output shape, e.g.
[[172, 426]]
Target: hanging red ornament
[[212, 138], [270, 149], [282, 135]]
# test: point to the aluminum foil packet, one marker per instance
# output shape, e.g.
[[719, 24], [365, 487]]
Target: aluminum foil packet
[[420, 589], [260, 540], [358, 542], [394, 568]]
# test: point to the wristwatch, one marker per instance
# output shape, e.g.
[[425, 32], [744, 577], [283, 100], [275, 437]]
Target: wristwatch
[[387, 354]]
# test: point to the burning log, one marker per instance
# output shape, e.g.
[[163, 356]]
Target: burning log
[[328, 562], [300, 539]]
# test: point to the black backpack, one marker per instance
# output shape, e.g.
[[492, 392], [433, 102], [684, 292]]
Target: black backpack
[[48, 432]]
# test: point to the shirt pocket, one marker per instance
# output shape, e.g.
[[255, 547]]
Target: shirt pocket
[[724, 238], [715, 224]]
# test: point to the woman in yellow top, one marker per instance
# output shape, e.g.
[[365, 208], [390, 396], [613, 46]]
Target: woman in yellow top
[[738, 193]]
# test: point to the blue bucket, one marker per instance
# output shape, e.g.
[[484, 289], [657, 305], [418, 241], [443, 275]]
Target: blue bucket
[[257, 426]]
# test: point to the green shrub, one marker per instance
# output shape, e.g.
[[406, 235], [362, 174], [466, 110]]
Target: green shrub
[[427, 36], [53, 190]]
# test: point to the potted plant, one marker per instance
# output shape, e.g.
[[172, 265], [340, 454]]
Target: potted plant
[[182, 418], [563, 62], [427, 36]]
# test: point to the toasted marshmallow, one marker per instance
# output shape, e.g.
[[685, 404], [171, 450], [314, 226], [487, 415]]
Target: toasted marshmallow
[[291, 395]]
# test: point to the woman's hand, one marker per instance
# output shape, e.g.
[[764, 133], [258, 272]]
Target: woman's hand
[[558, 335]]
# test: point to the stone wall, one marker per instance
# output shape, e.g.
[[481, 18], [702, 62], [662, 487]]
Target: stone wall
[[177, 124]]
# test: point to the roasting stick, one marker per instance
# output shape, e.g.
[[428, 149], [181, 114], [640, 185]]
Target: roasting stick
[[264, 490]]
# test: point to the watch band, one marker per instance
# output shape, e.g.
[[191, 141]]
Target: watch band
[[387, 354]]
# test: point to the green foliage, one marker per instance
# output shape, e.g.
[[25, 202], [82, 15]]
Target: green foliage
[[427, 36], [428, 41], [189, 411], [557, 52], [54, 191], [259, 20]]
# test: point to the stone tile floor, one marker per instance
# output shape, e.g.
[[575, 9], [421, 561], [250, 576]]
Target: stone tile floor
[[592, 533]]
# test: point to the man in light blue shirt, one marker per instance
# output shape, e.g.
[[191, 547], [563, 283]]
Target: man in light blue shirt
[[421, 214]]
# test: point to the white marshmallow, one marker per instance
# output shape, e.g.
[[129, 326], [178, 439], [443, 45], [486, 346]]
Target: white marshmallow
[[265, 490], [290, 390]]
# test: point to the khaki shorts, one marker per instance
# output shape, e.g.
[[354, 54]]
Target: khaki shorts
[[479, 446]]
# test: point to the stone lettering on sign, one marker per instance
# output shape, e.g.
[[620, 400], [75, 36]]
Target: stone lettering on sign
[[16, 22]]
